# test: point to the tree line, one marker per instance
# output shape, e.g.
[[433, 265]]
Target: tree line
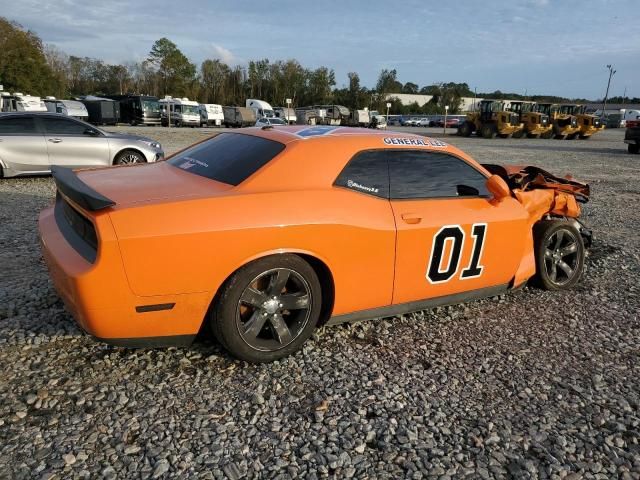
[[29, 66]]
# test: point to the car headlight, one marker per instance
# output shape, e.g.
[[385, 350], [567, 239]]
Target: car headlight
[[151, 144]]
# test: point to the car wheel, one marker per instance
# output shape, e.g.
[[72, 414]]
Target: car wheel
[[560, 254], [267, 309], [631, 148], [129, 157]]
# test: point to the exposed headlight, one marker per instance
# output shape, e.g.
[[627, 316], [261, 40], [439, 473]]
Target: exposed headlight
[[151, 144]]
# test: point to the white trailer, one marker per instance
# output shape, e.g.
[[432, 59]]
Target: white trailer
[[180, 112], [18, 102], [262, 108], [359, 118], [71, 108], [211, 114]]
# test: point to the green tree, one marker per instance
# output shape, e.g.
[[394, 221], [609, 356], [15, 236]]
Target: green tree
[[388, 82], [410, 87], [175, 71], [23, 65], [213, 75]]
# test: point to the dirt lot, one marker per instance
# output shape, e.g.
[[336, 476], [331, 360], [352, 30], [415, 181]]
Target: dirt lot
[[528, 385]]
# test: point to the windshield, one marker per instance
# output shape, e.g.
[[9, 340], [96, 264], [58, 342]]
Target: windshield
[[150, 106], [228, 157], [191, 109]]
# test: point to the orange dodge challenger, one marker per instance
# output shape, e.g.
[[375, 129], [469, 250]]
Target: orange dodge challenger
[[264, 234]]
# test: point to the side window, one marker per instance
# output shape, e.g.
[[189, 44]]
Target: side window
[[17, 126], [416, 174], [367, 172], [63, 126]]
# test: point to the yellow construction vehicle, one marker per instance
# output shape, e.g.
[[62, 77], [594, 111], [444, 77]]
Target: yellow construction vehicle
[[491, 120], [534, 123], [587, 124], [564, 124]]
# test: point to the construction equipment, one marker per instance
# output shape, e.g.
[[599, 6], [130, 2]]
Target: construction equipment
[[492, 119], [564, 123], [534, 123], [587, 124]]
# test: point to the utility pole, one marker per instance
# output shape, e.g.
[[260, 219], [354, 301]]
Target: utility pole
[[612, 72]]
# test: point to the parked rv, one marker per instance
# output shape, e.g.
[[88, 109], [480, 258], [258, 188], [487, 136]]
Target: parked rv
[[211, 115], [333, 114], [287, 114], [102, 111], [238, 117], [308, 116], [260, 107], [18, 102], [359, 118], [138, 109], [180, 112], [70, 108]]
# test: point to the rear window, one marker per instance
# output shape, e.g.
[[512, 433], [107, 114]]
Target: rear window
[[228, 157]]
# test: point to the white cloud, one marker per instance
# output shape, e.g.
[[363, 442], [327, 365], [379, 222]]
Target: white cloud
[[224, 54]]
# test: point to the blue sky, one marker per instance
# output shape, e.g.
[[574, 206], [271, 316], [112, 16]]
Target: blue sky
[[557, 47]]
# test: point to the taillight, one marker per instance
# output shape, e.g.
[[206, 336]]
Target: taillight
[[633, 123]]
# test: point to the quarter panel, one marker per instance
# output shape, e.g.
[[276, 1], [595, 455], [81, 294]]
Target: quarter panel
[[193, 246]]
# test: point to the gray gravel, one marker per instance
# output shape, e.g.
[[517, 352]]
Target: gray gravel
[[528, 385]]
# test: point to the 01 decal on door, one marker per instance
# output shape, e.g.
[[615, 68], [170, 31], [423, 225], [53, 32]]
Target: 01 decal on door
[[454, 235]]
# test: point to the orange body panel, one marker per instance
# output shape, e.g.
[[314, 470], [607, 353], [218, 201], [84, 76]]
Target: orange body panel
[[174, 237]]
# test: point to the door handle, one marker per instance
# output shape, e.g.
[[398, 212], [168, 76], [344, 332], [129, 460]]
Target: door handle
[[55, 140], [411, 218]]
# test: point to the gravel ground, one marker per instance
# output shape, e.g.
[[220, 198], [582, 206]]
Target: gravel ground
[[527, 385]]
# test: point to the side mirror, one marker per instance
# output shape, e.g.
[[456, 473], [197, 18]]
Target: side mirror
[[498, 187]]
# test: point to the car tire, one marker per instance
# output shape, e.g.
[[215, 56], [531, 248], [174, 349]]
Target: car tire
[[560, 254], [129, 157], [631, 148], [250, 318]]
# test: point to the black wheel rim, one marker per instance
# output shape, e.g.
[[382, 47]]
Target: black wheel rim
[[274, 309], [561, 257]]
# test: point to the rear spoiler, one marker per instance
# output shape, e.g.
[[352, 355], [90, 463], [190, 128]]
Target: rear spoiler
[[71, 186]]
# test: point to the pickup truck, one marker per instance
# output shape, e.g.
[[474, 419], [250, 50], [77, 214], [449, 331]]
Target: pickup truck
[[632, 136]]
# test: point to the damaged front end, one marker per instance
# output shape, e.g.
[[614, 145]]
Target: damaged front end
[[546, 196]]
